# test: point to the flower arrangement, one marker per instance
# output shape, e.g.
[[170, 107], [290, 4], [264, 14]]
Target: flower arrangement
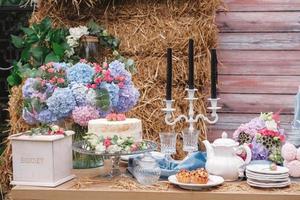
[[82, 92], [114, 144], [46, 130], [263, 136]]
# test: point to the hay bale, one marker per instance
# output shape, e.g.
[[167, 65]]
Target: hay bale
[[17, 125], [146, 28]]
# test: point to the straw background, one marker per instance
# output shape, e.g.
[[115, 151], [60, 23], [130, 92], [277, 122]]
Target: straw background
[[146, 29]]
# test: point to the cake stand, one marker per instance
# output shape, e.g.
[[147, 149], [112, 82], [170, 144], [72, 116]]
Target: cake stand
[[115, 157]]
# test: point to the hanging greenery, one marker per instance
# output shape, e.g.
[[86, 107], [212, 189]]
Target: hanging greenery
[[41, 44]]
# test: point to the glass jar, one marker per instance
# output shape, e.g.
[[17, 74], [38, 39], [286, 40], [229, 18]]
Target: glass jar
[[147, 171], [89, 47]]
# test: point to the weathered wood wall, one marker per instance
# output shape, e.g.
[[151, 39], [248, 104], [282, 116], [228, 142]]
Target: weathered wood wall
[[259, 51]]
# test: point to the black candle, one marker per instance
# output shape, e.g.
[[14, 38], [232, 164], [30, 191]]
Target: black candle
[[214, 73], [191, 64], [169, 74]]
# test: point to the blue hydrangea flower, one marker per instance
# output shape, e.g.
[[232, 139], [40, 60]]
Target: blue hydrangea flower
[[128, 97], [46, 117], [91, 97], [29, 86], [113, 91], [29, 117], [259, 151], [61, 66], [80, 73], [61, 103], [80, 93], [117, 68], [48, 90], [103, 113]]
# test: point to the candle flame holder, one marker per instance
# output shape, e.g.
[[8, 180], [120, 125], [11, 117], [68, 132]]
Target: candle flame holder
[[191, 118]]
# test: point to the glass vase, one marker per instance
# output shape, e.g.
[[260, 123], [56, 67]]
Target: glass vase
[[83, 161]]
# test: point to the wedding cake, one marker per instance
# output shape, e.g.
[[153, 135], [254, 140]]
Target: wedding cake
[[130, 127]]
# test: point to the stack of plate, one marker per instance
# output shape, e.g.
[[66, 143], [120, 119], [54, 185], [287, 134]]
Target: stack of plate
[[260, 175]]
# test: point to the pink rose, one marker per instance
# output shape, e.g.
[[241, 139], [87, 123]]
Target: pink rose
[[50, 70], [133, 148], [121, 117], [121, 78], [282, 138], [97, 80], [98, 69], [82, 60], [53, 79], [105, 64], [94, 86], [121, 84], [60, 80], [107, 142]]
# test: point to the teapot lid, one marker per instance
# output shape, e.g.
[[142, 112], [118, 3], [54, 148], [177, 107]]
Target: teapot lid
[[147, 160], [225, 141]]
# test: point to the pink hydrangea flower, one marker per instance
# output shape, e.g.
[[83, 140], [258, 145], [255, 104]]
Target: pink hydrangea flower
[[83, 114]]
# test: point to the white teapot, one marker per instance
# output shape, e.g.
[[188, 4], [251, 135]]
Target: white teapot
[[222, 158]]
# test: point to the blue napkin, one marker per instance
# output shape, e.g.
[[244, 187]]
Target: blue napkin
[[194, 161]]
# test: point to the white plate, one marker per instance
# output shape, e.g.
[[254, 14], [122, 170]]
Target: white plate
[[266, 179], [268, 185], [275, 176], [212, 181], [265, 169], [267, 182]]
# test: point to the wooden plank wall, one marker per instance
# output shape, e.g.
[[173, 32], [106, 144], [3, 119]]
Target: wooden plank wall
[[259, 51]]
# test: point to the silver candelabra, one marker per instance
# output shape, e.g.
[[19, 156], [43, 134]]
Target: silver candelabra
[[191, 118]]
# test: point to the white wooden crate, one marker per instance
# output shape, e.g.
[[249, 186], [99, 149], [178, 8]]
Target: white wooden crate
[[44, 160]]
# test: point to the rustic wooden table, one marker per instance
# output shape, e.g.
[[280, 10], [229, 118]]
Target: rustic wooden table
[[88, 185]]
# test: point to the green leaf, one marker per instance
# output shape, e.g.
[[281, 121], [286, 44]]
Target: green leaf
[[17, 41], [57, 35], [25, 55], [37, 52], [27, 31], [14, 79], [36, 104], [102, 99], [45, 24], [32, 39], [51, 57], [94, 28], [58, 49]]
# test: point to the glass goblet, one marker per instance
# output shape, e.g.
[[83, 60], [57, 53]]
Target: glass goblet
[[190, 140], [168, 144]]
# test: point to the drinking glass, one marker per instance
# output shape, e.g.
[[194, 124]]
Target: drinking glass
[[190, 140], [168, 142]]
